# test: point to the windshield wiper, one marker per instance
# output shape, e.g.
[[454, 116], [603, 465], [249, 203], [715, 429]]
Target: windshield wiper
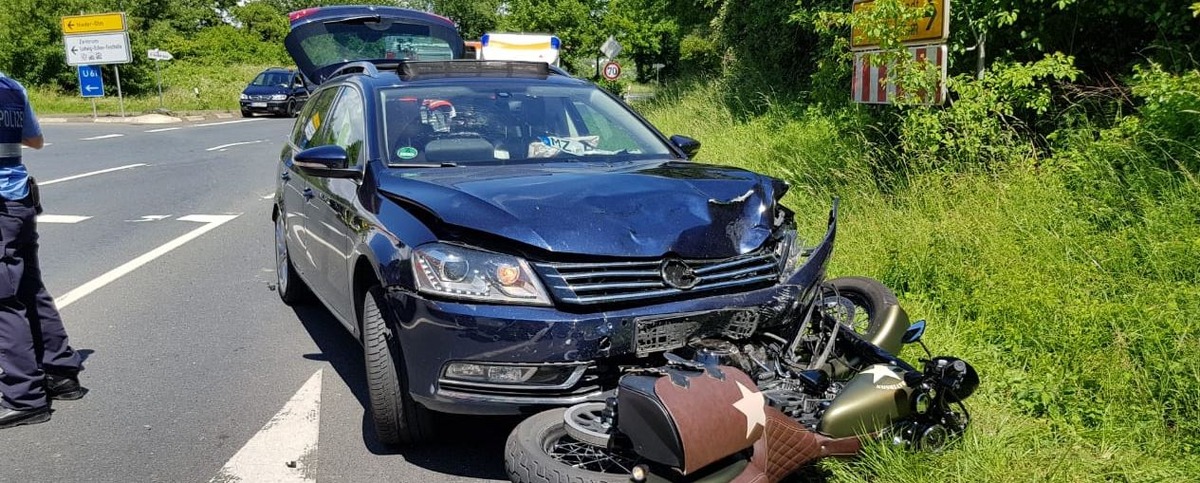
[[446, 164]]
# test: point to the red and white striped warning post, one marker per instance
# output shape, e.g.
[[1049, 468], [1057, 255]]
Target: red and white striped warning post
[[871, 85]]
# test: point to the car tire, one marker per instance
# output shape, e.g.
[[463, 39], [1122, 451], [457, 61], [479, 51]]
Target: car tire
[[246, 113], [291, 108], [291, 288], [399, 420]]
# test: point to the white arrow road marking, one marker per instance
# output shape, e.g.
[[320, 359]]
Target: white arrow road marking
[[66, 219], [210, 222], [106, 136], [145, 218], [92, 173], [285, 449], [230, 145], [164, 129], [222, 123]]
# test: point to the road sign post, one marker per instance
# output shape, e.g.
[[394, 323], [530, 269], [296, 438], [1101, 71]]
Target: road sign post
[[158, 56], [926, 43], [93, 40]]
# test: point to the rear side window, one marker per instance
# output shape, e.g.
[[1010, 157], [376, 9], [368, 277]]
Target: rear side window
[[311, 119]]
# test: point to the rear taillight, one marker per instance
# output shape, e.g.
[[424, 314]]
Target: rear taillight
[[299, 14]]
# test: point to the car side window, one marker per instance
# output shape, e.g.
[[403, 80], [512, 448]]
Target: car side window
[[316, 111], [345, 125]]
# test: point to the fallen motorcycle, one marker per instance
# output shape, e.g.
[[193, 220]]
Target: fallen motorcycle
[[759, 409]]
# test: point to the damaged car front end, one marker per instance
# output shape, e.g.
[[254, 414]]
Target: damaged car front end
[[585, 319]]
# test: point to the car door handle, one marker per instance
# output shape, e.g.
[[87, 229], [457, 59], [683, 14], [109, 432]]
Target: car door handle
[[308, 193]]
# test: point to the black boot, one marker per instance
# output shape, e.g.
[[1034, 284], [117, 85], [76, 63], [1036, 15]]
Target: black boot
[[64, 388], [10, 418]]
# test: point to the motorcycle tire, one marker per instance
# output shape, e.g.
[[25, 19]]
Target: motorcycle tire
[[885, 320], [528, 458]]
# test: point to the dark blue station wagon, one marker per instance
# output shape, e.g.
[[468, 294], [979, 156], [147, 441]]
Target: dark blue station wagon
[[502, 236]]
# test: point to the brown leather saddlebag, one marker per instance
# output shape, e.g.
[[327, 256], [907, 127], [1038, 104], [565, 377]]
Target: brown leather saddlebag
[[690, 419]]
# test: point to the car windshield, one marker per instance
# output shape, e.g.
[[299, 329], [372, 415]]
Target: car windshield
[[282, 79], [506, 121]]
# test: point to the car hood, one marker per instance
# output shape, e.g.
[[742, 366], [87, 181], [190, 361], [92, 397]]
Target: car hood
[[645, 209], [264, 90]]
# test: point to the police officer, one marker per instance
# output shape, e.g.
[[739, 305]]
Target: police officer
[[36, 363]]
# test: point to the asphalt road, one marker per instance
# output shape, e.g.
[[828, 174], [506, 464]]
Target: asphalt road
[[159, 248]]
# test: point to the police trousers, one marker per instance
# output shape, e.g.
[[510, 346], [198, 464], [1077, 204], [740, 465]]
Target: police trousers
[[33, 341]]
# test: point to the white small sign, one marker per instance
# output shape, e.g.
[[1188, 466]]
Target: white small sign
[[611, 48], [155, 54], [97, 49]]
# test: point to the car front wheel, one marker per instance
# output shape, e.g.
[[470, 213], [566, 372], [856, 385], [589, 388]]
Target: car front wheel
[[398, 418]]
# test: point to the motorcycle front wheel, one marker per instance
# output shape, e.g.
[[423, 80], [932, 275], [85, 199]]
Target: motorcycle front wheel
[[873, 310], [540, 450]]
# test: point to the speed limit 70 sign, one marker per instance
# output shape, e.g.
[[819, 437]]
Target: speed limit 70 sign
[[612, 70]]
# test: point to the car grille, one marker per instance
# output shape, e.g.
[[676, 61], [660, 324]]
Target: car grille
[[260, 98], [629, 281]]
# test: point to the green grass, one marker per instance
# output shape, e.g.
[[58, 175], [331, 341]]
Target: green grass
[[1074, 288], [186, 88]]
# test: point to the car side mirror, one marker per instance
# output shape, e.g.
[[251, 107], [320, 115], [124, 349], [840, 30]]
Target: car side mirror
[[329, 161], [914, 332], [688, 145]]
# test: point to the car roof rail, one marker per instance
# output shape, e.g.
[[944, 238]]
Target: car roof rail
[[361, 66], [474, 68]]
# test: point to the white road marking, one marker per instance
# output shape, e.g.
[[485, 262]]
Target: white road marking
[[93, 173], [66, 219], [164, 129], [149, 218], [106, 136], [285, 449], [222, 123], [230, 145], [267, 197], [210, 222]]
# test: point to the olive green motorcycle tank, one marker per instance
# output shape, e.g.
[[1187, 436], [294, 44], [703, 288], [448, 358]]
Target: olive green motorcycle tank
[[871, 401]]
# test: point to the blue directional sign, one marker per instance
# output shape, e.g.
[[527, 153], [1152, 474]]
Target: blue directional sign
[[90, 82]]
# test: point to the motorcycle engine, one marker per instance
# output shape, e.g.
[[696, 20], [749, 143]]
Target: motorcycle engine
[[802, 395]]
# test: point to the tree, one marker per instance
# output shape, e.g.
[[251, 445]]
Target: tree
[[474, 17]]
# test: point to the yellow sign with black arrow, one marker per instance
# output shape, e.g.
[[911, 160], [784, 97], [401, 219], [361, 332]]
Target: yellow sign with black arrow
[[94, 23], [927, 30]]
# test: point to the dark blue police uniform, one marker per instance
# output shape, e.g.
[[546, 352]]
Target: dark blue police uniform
[[35, 358]]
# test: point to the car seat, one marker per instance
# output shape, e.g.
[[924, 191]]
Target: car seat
[[405, 129]]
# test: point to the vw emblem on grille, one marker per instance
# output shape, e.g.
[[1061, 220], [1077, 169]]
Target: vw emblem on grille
[[677, 274]]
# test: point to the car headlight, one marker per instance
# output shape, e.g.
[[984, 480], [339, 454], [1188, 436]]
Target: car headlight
[[463, 273], [279, 97], [244, 97], [789, 251]]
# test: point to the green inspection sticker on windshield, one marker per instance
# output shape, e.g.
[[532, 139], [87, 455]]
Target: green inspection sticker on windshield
[[406, 153]]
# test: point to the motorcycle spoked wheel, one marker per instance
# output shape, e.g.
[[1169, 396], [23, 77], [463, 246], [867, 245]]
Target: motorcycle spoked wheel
[[540, 450]]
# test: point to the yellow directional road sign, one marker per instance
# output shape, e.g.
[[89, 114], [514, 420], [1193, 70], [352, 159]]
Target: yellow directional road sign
[[926, 30], [95, 23]]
